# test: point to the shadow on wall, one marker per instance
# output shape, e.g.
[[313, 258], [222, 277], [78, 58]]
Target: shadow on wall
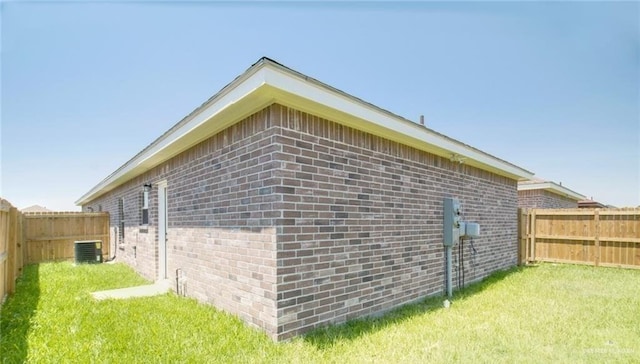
[[326, 337], [20, 309]]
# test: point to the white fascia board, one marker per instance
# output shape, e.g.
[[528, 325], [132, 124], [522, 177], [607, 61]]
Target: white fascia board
[[169, 144], [267, 82], [241, 91], [421, 137], [551, 187]]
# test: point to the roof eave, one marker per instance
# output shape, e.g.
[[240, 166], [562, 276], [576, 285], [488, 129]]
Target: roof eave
[[551, 187], [235, 101], [268, 82]]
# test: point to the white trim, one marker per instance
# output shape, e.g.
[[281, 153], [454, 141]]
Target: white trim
[[163, 217], [551, 187], [240, 92], [407, 131], [188, 131], [268, 82]]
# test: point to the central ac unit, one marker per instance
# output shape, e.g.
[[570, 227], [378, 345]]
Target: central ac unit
[[88, 251]]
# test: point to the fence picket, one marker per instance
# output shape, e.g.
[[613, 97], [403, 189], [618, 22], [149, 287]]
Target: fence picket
[[27, 238], [600, 237]]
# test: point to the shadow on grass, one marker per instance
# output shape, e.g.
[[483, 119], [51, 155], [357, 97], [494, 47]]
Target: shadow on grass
[[16, 315], [326, 337]]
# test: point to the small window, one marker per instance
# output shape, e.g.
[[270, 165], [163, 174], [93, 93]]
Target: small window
[[145, 204], [99, 208], [121, 220]]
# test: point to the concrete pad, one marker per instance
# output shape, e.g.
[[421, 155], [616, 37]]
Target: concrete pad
[[158, 288]]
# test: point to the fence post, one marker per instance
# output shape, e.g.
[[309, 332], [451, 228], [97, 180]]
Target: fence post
[[528, 235], [521, 246], [23, 242], [4, 256], [533, 235], [596, 245], [11, 249]]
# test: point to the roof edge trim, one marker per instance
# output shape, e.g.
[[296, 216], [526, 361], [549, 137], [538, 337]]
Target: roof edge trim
[[266, 72], [551, 187]]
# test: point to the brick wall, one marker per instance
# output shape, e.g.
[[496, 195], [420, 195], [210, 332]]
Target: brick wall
[[220, 220], [362, 222], [137, 245], [542, 199], [293, 222]]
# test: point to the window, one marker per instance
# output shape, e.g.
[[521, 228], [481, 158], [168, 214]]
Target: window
[[121, 220], [145, 204]]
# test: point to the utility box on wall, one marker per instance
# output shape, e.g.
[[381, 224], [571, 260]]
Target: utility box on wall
[[454, 229], [471, 230], [451, 221]]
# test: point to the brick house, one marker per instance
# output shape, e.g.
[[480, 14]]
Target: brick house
[[591, 204], [538, 194], [295, 205]]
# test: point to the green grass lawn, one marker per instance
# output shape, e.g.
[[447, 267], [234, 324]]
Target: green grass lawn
[[549, 313]]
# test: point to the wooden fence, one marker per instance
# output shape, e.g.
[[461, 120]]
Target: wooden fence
[[600, 237], [11, 247], [27, 238], [50, 236]]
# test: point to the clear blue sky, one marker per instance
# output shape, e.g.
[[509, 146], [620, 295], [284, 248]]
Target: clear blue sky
[[551, 87]]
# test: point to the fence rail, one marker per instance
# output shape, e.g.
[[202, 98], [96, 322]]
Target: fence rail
[[600, 237], [27, 238]]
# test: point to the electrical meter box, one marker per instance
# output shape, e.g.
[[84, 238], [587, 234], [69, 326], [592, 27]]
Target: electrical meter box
[[451, 231]]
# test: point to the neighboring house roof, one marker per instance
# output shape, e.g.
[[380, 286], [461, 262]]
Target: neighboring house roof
[[267, 82], [590, 204], [36, 208], [4, 204], [551, 187]]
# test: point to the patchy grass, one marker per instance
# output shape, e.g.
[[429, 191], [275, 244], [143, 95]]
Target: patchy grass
[[539, 314], [549, 313]]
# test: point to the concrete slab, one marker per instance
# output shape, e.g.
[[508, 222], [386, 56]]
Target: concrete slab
[[158, 288]]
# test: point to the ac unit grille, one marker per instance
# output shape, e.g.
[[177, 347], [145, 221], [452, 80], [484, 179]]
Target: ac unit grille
[[88, 251]]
